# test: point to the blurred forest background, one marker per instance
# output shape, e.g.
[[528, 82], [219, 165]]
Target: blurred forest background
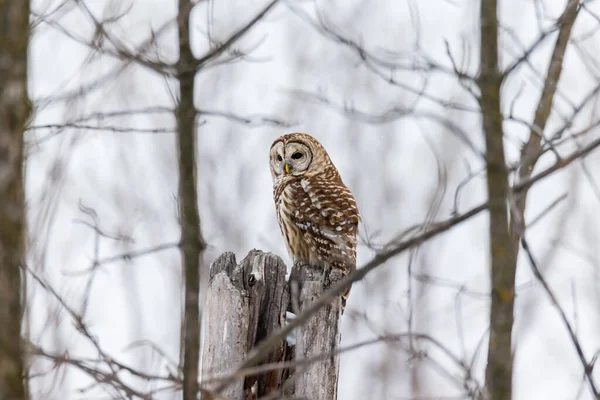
[[402, 94]]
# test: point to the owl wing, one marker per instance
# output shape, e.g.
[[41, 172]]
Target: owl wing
[[328, 218]]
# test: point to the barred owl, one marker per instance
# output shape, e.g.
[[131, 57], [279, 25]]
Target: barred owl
[[317, 213]]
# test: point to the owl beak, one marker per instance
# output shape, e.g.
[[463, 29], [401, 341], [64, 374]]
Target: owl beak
[[287, 168]]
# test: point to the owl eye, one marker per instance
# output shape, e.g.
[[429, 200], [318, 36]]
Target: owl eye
[[279, 158], [297, 156]]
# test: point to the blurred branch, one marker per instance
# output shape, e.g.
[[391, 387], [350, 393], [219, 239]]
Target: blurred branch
[[561, 163], [529, 51], [253, 120], [110, 75], [391, 115], [461, 185], [587, 367], [104, 369], [388, 338], [414, 62], [591, 96], [15, 111], [127, 256], [216, 52], [107, 378], [546, 211], [120, 52], [533, 148], [109, 128], [460, 288]]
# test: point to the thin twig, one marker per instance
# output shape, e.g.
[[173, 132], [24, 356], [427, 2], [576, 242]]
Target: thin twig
[[212, 54], [587, 367]]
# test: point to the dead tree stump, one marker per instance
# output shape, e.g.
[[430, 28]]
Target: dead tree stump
[[240, 312], [320, 337], [247, 302]]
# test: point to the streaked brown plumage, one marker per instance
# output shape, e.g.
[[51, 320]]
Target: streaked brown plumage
[[317, 213]]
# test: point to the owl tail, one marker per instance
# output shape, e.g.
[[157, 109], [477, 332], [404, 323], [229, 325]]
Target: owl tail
[[345, 296]]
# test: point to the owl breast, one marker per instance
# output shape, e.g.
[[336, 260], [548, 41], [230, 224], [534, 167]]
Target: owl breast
[[288, 213], [318, 218]]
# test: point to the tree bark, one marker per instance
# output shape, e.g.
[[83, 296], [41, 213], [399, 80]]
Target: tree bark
[[319, 336], [192, 242], [533, 148], [498, 374], [244, 304], [14, 114]]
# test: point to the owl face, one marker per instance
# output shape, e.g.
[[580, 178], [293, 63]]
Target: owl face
[[291, 155]]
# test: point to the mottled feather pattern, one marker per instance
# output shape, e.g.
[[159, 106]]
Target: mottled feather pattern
[[319, 223], [317, 213]]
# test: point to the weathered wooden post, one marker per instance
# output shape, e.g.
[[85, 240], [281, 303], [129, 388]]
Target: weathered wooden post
[[319, 337], [247, 302], [244, 304]]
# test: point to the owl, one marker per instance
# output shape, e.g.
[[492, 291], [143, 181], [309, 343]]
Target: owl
[[317, 213]]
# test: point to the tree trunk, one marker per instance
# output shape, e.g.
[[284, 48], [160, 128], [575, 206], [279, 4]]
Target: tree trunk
[[498, 374], [192, 242], [14, 113]]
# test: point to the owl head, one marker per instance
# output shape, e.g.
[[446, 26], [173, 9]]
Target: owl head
[[298, 155]]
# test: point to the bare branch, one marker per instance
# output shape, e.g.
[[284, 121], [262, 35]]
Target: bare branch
[[113, 128], [128, 256], [587, 367], [393, 114], [254, 120], [461, 364], [530, 152], [122, 52], [215, 53], [412, 64], [524, 58]]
